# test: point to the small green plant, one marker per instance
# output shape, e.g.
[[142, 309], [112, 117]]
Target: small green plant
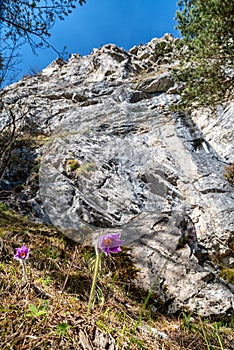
[[62, 329], [75, 168], [217, 333], [205, 335], [45, 281], [52, 252], [37, 312], [74, 164], [103, 326], [188, 322], [3, 206]]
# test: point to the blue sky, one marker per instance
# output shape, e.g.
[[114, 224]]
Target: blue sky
[[122, 22]]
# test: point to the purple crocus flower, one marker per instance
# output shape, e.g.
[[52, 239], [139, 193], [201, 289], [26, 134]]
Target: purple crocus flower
[[22, 253], [110, 243]]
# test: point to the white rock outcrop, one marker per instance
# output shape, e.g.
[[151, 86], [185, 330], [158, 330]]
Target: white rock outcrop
[[138, 168]]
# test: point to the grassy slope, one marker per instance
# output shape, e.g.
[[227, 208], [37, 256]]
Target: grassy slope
[[50, 312]]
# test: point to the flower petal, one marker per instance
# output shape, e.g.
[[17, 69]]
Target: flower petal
[[110, 243], [22, 253]]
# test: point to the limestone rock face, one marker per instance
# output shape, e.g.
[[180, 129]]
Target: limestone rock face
[[113, 157]]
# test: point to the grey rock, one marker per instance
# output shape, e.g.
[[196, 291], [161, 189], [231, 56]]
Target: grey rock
[[139, 169], [160, 83]]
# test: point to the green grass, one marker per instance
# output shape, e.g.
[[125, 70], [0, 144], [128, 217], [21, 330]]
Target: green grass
[[50, 312], [228, 274]]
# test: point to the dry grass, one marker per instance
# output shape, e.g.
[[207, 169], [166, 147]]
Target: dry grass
[[229, 173], [50, 312]]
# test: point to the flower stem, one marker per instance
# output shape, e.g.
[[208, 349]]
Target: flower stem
[[24, 278], [97, 263]]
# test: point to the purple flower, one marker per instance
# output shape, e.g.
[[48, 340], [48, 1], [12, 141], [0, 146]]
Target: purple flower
[[22, 253], [110, 243]]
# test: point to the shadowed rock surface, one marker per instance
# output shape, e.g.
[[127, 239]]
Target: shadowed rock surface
[[115, 158]]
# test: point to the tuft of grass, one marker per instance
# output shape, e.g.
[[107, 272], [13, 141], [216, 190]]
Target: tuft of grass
[[229, 173], [73, 164], [50, 312], [228, 274]]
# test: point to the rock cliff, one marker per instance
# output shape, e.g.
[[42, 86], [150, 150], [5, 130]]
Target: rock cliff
[[112, 156]]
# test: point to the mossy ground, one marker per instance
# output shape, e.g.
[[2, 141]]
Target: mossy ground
[[50, 311]]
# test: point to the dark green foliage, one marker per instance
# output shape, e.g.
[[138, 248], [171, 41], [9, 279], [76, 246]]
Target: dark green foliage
[[163, 48], [207, 65]]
